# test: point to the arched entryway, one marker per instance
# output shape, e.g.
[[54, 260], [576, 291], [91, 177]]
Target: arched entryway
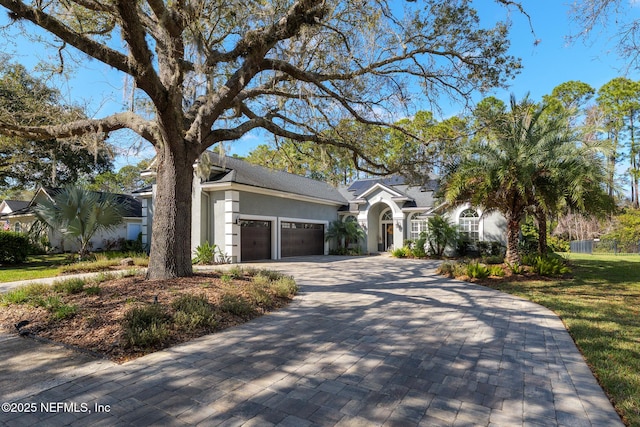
[[384, 227]]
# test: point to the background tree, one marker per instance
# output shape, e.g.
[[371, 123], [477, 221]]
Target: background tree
[[212, 71], [619, 101], [26, 163], [125, 181], [570, 99]]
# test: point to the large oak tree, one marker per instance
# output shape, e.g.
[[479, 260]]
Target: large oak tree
[[214, 70], [25, 163]]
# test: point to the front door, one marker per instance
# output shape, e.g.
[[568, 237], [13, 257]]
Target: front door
[[387, 235]]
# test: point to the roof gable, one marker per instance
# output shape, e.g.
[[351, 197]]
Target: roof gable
[[8, 206], [382, 187], [414, 196]]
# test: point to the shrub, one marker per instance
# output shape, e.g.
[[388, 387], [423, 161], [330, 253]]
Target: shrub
[[440, 234], [234, 303], [491, 249], [132, 245], [516, 268], [463, 246], [476, 270], [418, 248], [284, 287], [550, 266], [446, 269], [402, 252], [496, 270], [556, 244], [235, 272], [205, 253], [14, 247], [193, 312], [145, 326], [258, 291], [270, 274], [69, 286], [493, 259]]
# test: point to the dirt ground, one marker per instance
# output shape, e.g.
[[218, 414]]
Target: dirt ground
[[97, 325]]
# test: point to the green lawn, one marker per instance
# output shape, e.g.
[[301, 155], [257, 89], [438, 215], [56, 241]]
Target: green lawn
[[36, 267], [601, 308]]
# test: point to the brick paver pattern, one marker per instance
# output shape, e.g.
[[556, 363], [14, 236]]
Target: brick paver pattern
[[369, 341]]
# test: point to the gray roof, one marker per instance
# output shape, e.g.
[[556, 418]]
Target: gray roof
[[16, 205], [132, 206], [419, 195], [241, 172]]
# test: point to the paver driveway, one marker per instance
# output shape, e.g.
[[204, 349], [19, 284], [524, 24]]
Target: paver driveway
[[369, 341]]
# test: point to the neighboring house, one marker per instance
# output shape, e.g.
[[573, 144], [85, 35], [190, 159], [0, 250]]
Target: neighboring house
[[253, 213], [22, 218], [7, 207]]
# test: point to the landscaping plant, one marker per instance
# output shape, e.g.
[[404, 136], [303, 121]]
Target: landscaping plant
[[440, 234], [14, 247]]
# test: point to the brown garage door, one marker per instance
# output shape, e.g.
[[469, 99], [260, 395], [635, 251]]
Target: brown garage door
[[255, 240], [301, 238]]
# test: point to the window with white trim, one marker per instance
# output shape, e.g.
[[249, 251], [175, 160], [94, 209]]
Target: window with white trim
[[417, 225], [349, 218], [17, 227], [469, 225]]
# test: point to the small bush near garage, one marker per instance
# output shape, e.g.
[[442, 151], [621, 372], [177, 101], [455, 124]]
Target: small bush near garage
[[14, 247]]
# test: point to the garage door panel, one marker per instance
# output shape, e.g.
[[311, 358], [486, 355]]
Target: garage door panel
[[255, 240], [299, 239]]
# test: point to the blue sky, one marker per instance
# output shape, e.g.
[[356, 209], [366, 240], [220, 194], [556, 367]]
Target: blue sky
[[547, 63]]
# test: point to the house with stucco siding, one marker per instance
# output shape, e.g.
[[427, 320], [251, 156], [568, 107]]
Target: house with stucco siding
[[254, 213], [19, 216]]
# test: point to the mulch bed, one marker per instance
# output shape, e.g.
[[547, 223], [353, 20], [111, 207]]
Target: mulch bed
[[97, 326]]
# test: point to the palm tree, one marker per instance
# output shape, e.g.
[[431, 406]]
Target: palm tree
[[348, 231], [80, 213], [516, 166]]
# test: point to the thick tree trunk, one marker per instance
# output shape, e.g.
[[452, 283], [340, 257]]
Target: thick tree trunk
[[513, 234], [542, 233], [171, 237]]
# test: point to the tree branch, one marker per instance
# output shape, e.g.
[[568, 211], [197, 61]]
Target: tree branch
[[107, 125], [92, 48], [134, 34]]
